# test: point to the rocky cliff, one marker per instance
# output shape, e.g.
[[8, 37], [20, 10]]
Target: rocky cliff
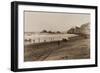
[[82, 30]]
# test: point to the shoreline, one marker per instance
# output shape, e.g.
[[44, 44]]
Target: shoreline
[[49, 42], [58, 50]]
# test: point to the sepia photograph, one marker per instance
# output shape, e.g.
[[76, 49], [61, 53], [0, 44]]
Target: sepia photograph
[[46, 36], [52, 36]]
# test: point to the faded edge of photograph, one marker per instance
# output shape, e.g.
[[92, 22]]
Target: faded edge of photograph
[[56, 36]]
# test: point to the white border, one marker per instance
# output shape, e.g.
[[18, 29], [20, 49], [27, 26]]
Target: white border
[[22, 64]]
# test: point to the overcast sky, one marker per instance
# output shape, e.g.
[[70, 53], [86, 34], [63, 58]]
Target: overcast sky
[[38, 21]]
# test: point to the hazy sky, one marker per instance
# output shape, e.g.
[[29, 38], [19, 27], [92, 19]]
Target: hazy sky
[[38, 21]]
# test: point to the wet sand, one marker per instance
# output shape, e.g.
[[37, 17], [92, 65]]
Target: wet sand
[[75, 48]]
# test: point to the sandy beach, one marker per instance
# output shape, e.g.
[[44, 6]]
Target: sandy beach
[[75, 48]]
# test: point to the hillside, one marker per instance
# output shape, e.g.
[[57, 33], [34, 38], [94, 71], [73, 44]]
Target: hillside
[[82, 30]]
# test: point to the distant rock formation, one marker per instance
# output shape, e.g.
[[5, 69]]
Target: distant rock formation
[[50, 32], [85, 29], [82, 30]]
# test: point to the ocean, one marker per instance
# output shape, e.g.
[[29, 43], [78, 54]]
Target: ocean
[[45, 37]]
